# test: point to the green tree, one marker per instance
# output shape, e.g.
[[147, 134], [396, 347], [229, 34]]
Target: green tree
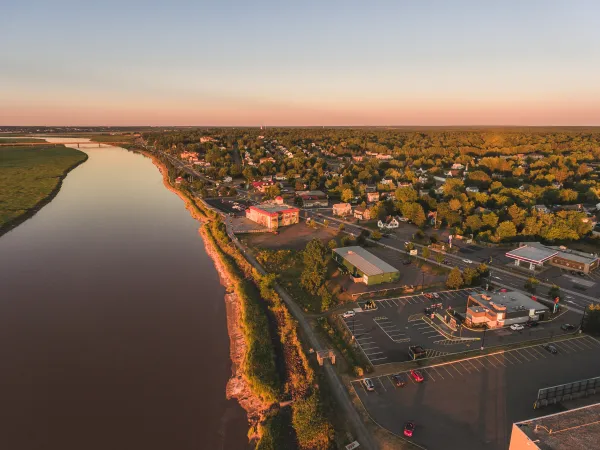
[[470, 276], [315, 257], [347, 195], [506, 230], [439, 257], [554, 291], [426, 252], [332, 244], [455, 279], [517, 214], [376, 235], [312, 428], [341, 227], [326, 298], [474, 223], [531, 284], [406, 194], [490, 220], [591, 321]]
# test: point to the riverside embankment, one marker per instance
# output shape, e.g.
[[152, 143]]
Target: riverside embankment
[[270, 364], [238, 387]]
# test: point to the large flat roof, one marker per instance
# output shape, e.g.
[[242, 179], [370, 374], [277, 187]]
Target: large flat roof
[[513, 300], [538, 253], [576, 429], [274, 208], [366, 262], [532, 254]]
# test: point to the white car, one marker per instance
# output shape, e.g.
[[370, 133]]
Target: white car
[[517, 327], [369, 385], [348, 314], [468, 261], [436, 295]]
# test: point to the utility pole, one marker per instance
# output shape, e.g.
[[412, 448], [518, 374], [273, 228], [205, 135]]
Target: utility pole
[[483, 339]]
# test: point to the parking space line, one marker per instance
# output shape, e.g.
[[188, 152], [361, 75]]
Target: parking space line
[[464, 367], [429, 375], [512, 355], [374, 353], [452, 365], [518, 352], [437, 371], [473, 365], [490, 361], [377, 359], [361, 385], [394, 302], [497, 359], [444, 367], [583, 342], [381, 382], [429, 332], [538, 352], [479, 361], [570, 343]]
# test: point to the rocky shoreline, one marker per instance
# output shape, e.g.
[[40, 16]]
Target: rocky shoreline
[[238, 387]]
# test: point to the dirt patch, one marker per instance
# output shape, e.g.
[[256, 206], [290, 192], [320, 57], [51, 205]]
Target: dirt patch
[[294, 237]]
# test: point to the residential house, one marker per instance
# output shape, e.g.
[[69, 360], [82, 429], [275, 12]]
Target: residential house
[[261, 186], [457, 166], [273, 216], [472, 189], [541, 209], [342, 209], [311, 199], [372, 197], [362, 213], [389, 224]]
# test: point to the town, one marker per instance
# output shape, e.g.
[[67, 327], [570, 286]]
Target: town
[[422, 259]]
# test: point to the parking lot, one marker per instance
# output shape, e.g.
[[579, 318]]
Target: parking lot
[[472, 403], [385, 334]]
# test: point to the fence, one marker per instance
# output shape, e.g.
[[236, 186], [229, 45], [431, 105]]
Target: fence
[[568, 391]]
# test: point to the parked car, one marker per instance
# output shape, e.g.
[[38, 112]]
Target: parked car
[[436, 295], [428, 295], [398, 380], [467, 261], [532, 323], [503, 290], [409, 429], [428, 311], [567, 327], [416, 375], [369, 385], [516, 327], [551, 348], [406, 263], [348, 314]]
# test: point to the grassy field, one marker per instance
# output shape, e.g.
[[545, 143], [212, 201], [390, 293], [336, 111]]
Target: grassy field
[[11, 140], [29, 177]]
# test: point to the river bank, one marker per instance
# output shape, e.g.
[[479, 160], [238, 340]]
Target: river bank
[[32, 185], [238, 387]]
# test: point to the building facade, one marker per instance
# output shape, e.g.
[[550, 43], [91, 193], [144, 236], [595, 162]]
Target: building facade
[[273, 216], [533, 255], [364, 267], [342, 209]]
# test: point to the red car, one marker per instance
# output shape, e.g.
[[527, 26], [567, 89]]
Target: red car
[[503, 290], [409, 428], [416, 375], [428, 295]]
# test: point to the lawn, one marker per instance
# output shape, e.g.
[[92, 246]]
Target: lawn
[[29, 176]]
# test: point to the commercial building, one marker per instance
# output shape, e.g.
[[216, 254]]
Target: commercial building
[[495, 310], [311, 199], [575, 429], [533, 255], [364, 267], [273, 216], [342, 209]]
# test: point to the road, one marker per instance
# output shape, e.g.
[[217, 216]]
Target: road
[[499, 276]]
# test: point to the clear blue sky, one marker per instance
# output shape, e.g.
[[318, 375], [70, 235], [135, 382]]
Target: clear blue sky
[[322, 62]]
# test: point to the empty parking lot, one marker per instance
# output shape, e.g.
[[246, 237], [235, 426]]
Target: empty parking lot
[[385, 334], [471, 403]]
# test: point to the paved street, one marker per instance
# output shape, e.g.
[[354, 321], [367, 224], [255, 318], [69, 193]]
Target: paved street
[[500, 275]]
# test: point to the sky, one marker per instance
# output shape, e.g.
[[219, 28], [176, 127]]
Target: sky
[[277, 63]]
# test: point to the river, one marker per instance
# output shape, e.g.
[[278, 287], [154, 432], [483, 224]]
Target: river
[[113, 331]]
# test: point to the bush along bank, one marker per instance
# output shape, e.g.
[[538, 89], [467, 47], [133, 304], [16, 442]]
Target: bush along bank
[[309, 427]]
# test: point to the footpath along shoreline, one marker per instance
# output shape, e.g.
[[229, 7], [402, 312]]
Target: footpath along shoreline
[[238, 387]]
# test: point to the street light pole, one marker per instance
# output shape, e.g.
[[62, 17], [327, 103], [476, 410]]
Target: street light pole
[[483, 339]]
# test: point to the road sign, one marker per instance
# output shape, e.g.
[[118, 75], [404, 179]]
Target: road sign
[[352, 445]]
